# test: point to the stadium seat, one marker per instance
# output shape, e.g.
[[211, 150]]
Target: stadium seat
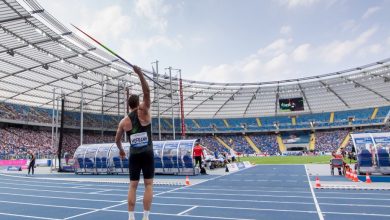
[[81, 162], [157, 162], [104, 162], [98, 163], [188, 162], [89, 164], [117, 162], [167, 162], [365, 159], [383, 158]]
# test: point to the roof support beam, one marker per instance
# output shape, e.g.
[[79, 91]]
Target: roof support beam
[[26, 45], [53, 81], [277, 100], [197, 106], [176, 103], [229, 99], [304, 96], [332, 91], [367, 88], [15, 19], [250, 102]]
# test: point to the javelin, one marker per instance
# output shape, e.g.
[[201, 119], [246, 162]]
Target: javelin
[[113, 53]]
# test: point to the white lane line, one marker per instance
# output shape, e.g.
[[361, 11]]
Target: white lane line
[[101, 191], [246, 195], [122, 203], [239, 191], [320, 215], [354, 213], [85, 213], [230, 200], [187, 210], [46, 205], [56, 197], [353, 205], [56, 191], [338, 193], [243, 208], [352, 198], [72, 182], [192, 216], [28, 216]]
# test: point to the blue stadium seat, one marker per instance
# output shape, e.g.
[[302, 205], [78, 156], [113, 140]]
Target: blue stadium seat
[[125, 163], [167, 162], [383, 158], [157, 162], [98, 163], [104, 162], [365, 159], [89, 164], [117, 162], [188, 162], [81, 162]]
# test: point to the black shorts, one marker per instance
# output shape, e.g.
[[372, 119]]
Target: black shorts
[[198, 159], [142, 161]]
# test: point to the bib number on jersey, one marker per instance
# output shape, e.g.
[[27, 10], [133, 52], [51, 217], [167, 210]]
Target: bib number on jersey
[[139, 139]]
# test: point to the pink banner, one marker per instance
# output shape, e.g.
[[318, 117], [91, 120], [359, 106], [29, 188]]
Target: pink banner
[[13, 162]]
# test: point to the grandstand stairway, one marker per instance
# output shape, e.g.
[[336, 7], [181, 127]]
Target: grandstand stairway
[[196, 123], [258, 122], [312, 143], [282, 147], [168, 123], [345, 141], [331, 119], [294, 120], [222, 142], [373, 116], [226, 123], [253, 145]]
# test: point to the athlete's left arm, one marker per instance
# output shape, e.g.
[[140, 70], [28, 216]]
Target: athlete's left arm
[[118, 139], [145, 87]]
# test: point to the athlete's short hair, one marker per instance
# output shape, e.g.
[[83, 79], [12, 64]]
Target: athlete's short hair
[[133, 101]]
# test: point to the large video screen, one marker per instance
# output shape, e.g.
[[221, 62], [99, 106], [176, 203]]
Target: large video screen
[[290, 105]]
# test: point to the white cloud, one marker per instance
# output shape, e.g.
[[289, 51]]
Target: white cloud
[[285, 30], [350, 25], [141, 47], [281, 59], [370, 11], [275, 47], [297, 3], [301, 53], [154, 11], [108, 24], [370, 50], [388, 41], [335, 51]]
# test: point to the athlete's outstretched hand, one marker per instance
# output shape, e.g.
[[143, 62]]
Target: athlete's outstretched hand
[[137, 70]]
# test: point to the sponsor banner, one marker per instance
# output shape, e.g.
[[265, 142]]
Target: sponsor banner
[[247, 164], [13, 162], [241, 165], [232, 167], [14, 168]]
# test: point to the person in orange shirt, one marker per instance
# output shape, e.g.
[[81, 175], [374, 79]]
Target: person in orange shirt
[[198, 154]]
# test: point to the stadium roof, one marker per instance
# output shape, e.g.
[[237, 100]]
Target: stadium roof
[[39, 54]]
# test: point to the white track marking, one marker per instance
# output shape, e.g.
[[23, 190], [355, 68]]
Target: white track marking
[[187, 210], [320, 215], [28, 216]]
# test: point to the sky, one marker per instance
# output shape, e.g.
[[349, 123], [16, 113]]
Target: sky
[[236, 40]]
